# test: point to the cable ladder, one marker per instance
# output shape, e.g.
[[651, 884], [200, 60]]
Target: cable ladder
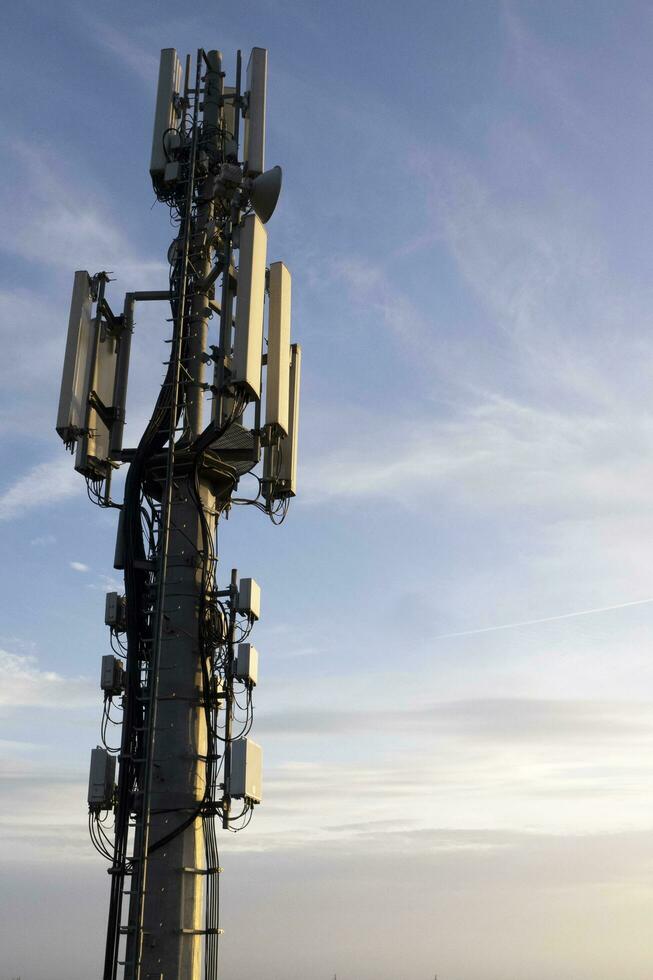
[[136, 864]]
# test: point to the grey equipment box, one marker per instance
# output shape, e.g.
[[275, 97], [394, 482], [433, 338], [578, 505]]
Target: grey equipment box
[[101, 780], [246, 668], [115, 611], [249, 598], [112, 674], [246, 766]]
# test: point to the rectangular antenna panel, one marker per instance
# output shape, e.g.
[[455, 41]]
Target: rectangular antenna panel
[[254, 135], [119, 553], [248, 341], [280, 463], [122, 376], [246, 770], [288, 468], [93, 449], [278, 370], [102, 779], [75, 381], [229, 123], [165, 114]]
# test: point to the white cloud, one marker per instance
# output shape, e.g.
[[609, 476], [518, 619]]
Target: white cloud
[[43, 541], [107, 583], [31, 363], [45, 484], [26, 685], [33, 350], [79, 566], [373, 290], [552, 721], [138, 58], [72, 214], [77, 229], [494, 454]]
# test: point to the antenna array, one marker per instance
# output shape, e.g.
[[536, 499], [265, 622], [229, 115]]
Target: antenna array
[[178, 686]]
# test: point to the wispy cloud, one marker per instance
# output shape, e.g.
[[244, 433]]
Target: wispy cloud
[[373, 289], [558, 326], [107, 583], [43, 541], [79, 566], [550, 721], [545, 619], [544, 403], [26, 685], [57, 476], [137, 58], [496, 453], [31, 362], [73, 214], [545, 70]]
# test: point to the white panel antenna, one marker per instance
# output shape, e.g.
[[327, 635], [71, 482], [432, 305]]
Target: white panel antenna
[[75, 381], [229, 122], [278, 356], [254, 140], [93, 448], [288, 469], [166, 113], [248, 342], [119, 553], [280, 462]]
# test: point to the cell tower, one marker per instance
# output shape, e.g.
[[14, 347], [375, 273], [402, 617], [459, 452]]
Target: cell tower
[[178, 686]]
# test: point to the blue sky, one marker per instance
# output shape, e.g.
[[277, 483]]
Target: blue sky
[[454, 700]]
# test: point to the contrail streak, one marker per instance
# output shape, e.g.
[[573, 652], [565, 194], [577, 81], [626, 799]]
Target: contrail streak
[[545, 619]]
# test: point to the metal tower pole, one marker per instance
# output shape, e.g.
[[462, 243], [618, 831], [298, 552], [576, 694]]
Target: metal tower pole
[[166, 912], [184, 695]]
